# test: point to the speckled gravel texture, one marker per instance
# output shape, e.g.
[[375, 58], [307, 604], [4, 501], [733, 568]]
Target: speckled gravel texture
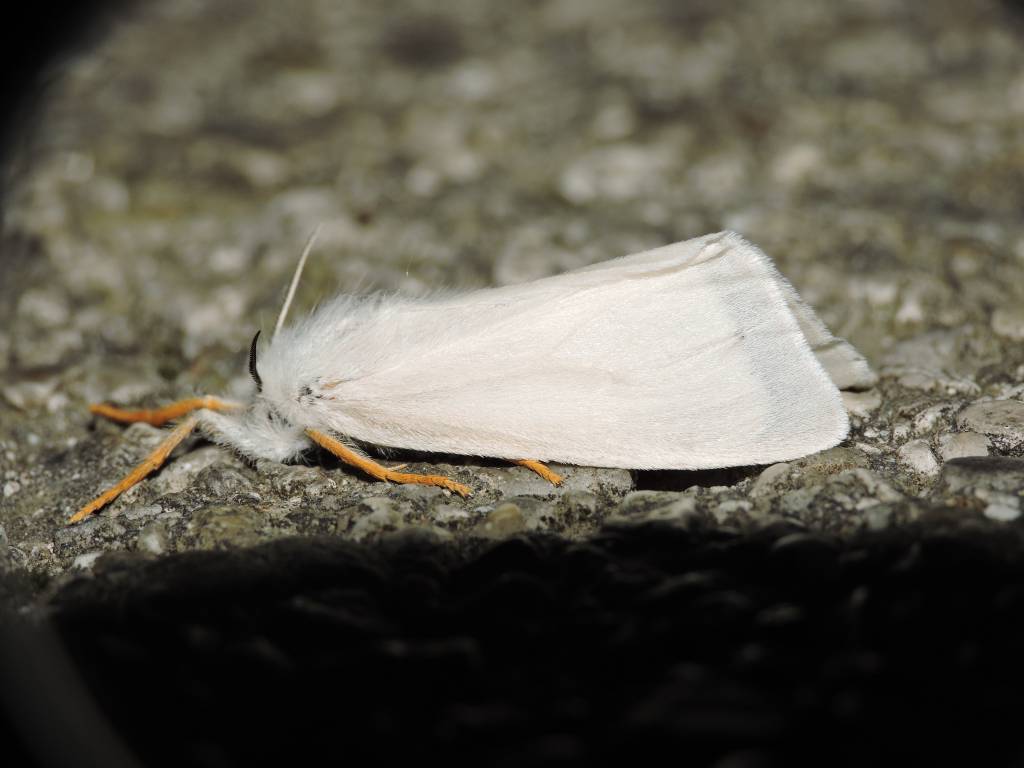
[[154, 212]]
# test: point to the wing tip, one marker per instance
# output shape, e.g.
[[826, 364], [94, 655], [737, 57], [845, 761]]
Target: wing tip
[[843, 362]]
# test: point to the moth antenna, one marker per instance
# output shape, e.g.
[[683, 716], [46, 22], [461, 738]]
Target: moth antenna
[[295, 279], [252, 363]]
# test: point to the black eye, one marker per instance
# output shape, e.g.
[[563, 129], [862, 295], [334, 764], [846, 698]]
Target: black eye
[[252, 363], [305, 391]]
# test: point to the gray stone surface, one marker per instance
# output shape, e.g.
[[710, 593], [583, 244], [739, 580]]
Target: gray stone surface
[[917, 456], [1001, 420], [959, 445], [994, 485], [155, 211]]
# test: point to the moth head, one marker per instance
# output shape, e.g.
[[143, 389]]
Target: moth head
[[285, 391]]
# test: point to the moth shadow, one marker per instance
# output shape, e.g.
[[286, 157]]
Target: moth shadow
[[681, 479], [644, 479]]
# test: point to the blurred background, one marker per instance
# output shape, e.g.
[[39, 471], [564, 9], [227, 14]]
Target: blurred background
[[165, 162]]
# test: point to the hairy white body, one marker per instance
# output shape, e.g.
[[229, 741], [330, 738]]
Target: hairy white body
[[695, 355]]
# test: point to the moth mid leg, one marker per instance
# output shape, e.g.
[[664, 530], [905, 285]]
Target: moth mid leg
[[160, 416], [149, 464], [552, 477], [372, 468]]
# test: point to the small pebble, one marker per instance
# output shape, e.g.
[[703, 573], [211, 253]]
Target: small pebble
[[1001, 420], [449, 513], [376, 514], [153, 539], [1008, 322], [926, 420], [85, 561], [862, 404], [503, 520], [961, 444], [770, 479], [918, 456], [1004, 510], [654, 505]]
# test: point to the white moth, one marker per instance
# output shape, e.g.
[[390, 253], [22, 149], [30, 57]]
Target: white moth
[[695, 355]]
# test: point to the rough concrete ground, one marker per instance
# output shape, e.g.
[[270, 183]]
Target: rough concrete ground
[[155, 211]]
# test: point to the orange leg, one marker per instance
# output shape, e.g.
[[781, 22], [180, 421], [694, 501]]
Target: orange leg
[[552, 477], [372, 468], [160, 416], [149, 464]]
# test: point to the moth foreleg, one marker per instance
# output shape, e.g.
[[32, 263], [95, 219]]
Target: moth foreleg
[[149, 464], [372, 468], [552, 477], [160, 416]]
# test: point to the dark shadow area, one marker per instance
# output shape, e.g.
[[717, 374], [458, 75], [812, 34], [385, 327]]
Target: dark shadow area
[[680, 480], [34, 39], [1016, 8], [773, 648]]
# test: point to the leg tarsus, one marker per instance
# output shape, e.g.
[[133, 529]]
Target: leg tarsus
[[439, 480], [149, 464], [552, 477], [372, 468]]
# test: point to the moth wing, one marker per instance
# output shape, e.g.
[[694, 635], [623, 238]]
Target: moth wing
[[688, 356], [845, 365]]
